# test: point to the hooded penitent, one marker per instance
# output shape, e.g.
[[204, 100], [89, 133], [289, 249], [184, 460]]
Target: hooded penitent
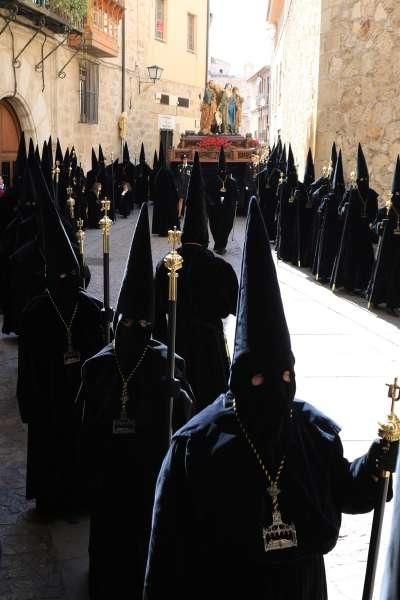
[[338, 184], [195, 228], [309, 172], [362, 170], [161, 155], [136, 296], [59, 154], [125, 154], [333, 160], [142, 157], [222, 161], [101, 155], [282, 160], [291, 173], [60, 258], [20, 161], [396, 182], [262, 341], [155, 162]]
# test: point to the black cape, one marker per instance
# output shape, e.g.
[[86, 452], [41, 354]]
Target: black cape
[[122, 469], [221, 208], [211, 505], [207, 293], [328, 238], [384, 286], [46, 392], [354, 261]]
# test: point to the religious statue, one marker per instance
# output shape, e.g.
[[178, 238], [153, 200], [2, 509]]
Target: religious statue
[[221, 109], [208, 108], [239, 103], [123, 125]]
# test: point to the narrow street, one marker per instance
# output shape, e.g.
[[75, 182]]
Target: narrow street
[[344, 357]]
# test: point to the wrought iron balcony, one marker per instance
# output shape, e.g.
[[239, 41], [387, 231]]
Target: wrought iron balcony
[[43, 13]]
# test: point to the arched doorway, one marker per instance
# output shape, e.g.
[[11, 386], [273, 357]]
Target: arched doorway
[[10, 133]]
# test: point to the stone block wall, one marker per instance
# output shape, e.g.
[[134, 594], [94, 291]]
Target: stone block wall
[[294, 74], [359, 84]]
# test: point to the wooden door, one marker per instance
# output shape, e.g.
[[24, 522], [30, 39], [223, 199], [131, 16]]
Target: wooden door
[[10, 132]]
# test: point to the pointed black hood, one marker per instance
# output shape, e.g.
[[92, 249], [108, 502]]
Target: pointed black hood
[[362, 168], [20, 162], [282, 160], [66, 157], [59, 154], [101, 155], [195, 227], [59, 256], [155, 162], [136, 296], [95, 163], [290, 166], [161, 155], [396, 178], [262, 341], [309, 172], [338, 184], [332, 162], [37, 154], [221, 160], [125, 153], [142, 156]]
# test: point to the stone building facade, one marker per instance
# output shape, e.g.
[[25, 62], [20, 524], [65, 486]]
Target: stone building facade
[[82, 108], [335, 76]]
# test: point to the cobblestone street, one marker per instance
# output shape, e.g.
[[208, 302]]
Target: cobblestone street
[[344, 357]]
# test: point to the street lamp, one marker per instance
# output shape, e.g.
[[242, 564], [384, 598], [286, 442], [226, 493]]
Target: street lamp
[[154, 74]]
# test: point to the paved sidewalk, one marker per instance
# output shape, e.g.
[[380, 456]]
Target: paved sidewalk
[[344, 356]]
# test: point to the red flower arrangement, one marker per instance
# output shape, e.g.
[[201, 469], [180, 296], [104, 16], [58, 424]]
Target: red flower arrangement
[[213, 142]]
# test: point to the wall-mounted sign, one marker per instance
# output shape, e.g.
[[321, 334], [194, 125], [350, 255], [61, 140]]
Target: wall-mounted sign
[[166, 122]]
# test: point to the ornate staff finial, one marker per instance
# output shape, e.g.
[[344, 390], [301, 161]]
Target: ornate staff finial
[[56, 171], [70, 202], [324, 171], [105, 224], [173, 262], [390, 430], [80, 235], [353, 179]]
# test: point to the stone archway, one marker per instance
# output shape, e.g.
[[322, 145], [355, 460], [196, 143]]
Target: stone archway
[[15, 118]]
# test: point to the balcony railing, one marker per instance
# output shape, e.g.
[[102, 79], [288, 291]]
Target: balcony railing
[[53, 14], [101, 27]]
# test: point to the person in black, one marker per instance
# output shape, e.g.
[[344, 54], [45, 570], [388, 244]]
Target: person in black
[[317, 191], [355, 259], [288, 218], [222, 198], [267, 185], [60, 329], [125, 199], [165, 198], [251, 492], [330, 226], [384, 286], [182, 178], [142, 179], [124, 410], [207, 293]]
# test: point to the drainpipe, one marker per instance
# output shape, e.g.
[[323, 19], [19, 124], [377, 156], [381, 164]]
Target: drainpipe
[[207, 40]]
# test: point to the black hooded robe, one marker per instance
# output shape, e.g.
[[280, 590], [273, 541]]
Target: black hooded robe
[[328, 238], [211, 505], [287, 224], [122, 469], [354, 261], [384, 286], [165, 209], [221, 208], [207, 293], [46, 393]]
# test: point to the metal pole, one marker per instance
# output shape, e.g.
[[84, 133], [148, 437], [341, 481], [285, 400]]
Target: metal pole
[[388, 432], [105, 224], [173, 262]]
